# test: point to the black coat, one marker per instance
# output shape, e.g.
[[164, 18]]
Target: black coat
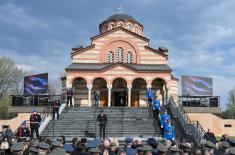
[[102, 120]]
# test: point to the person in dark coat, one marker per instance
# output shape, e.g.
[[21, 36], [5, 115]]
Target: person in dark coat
[[102, 121], [23, 132], [69, 97], [35, 120], [209, 136], [55, 108]]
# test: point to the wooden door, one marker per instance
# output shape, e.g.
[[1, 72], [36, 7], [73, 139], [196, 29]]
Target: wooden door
[[135, 99], [103, 99]]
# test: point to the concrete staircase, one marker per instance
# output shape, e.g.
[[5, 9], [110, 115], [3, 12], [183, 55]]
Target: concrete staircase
[[122, 122]]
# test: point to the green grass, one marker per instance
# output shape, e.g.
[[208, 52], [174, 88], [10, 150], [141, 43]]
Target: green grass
[[219, 137]]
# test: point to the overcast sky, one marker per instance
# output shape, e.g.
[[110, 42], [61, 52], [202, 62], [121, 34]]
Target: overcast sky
[[199, 34]]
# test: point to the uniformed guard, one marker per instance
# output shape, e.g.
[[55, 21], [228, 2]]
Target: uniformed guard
[[35, 120], [17, 148], [55, 108], [96, 99], [150, 96], [23, 132], [164, 118], [69, 97], [156, 108], [169, 133], [102, 121], [129, 149]]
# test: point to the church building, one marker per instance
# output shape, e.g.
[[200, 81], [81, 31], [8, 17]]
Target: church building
[[120, 66]]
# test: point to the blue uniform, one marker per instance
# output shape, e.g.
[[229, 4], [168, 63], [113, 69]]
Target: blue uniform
[[156, 105], [130, 151], [150, 94], [164, 119], [169, 133]]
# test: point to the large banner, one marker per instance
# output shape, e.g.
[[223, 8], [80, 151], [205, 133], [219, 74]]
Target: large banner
[[197, 86], [36, 84]]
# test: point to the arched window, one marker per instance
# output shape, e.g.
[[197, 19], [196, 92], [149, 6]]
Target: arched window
[[110, 56], [129, 57], [119, 54], [129, 26]]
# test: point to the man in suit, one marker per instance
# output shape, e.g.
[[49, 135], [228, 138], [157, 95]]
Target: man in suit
[[102, 121]]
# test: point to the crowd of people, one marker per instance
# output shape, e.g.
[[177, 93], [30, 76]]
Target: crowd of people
[[111, 146]]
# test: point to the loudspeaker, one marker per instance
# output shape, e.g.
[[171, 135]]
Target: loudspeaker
[[214, 102]]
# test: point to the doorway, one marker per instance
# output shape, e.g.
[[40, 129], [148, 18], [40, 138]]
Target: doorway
[[120, 99]]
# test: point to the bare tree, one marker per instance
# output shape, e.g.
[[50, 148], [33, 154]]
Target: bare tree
[[7, 69], [18, 82], [230, 110]]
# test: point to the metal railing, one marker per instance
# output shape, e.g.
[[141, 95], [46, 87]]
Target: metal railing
[[192, 128]]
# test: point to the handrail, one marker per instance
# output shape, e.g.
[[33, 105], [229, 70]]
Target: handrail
[[193, 128]]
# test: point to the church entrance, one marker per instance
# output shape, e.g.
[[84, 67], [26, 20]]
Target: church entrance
[[119, 93], [120, 99]]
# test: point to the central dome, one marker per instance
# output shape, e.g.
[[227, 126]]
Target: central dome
[[121, 20], [121, 16]]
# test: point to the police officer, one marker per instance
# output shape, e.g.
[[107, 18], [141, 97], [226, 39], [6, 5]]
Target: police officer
[[55, 108], [156, 108], [128, 147], [35, 120], [69, 97], [96, 99], [169, 133], [102, 121], [23, 132]]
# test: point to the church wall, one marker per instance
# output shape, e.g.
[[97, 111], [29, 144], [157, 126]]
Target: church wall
[[96, 55], [173, 89], [215, 123]]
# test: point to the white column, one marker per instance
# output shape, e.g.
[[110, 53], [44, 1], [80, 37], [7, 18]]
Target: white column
[[89, 86], [129, 95], [109, 95]]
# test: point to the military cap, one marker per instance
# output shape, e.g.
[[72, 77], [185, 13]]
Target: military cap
[[147, 148], [56, 144], [174, 149], [17, 147], [43, 146], [68, 148], [93, 143], [225, 144], [209, 144], [128, 140], [59, 151], [33, 142], [140, 148], [33, 150], [185, 146], [151, 141], [161, 148], [94, 150], [112, 144], [232, 150], [232, 142]]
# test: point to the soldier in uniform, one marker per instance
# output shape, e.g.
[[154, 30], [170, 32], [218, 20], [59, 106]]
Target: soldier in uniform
[[128, 147], [23, 132], [150, 96], [96, 99], [55, 108], [156, 108], [69, 97], [169, 133], [35, 120], [102, 121], [163, 120]]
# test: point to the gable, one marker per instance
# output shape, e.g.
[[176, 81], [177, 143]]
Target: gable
[[119, 69]]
